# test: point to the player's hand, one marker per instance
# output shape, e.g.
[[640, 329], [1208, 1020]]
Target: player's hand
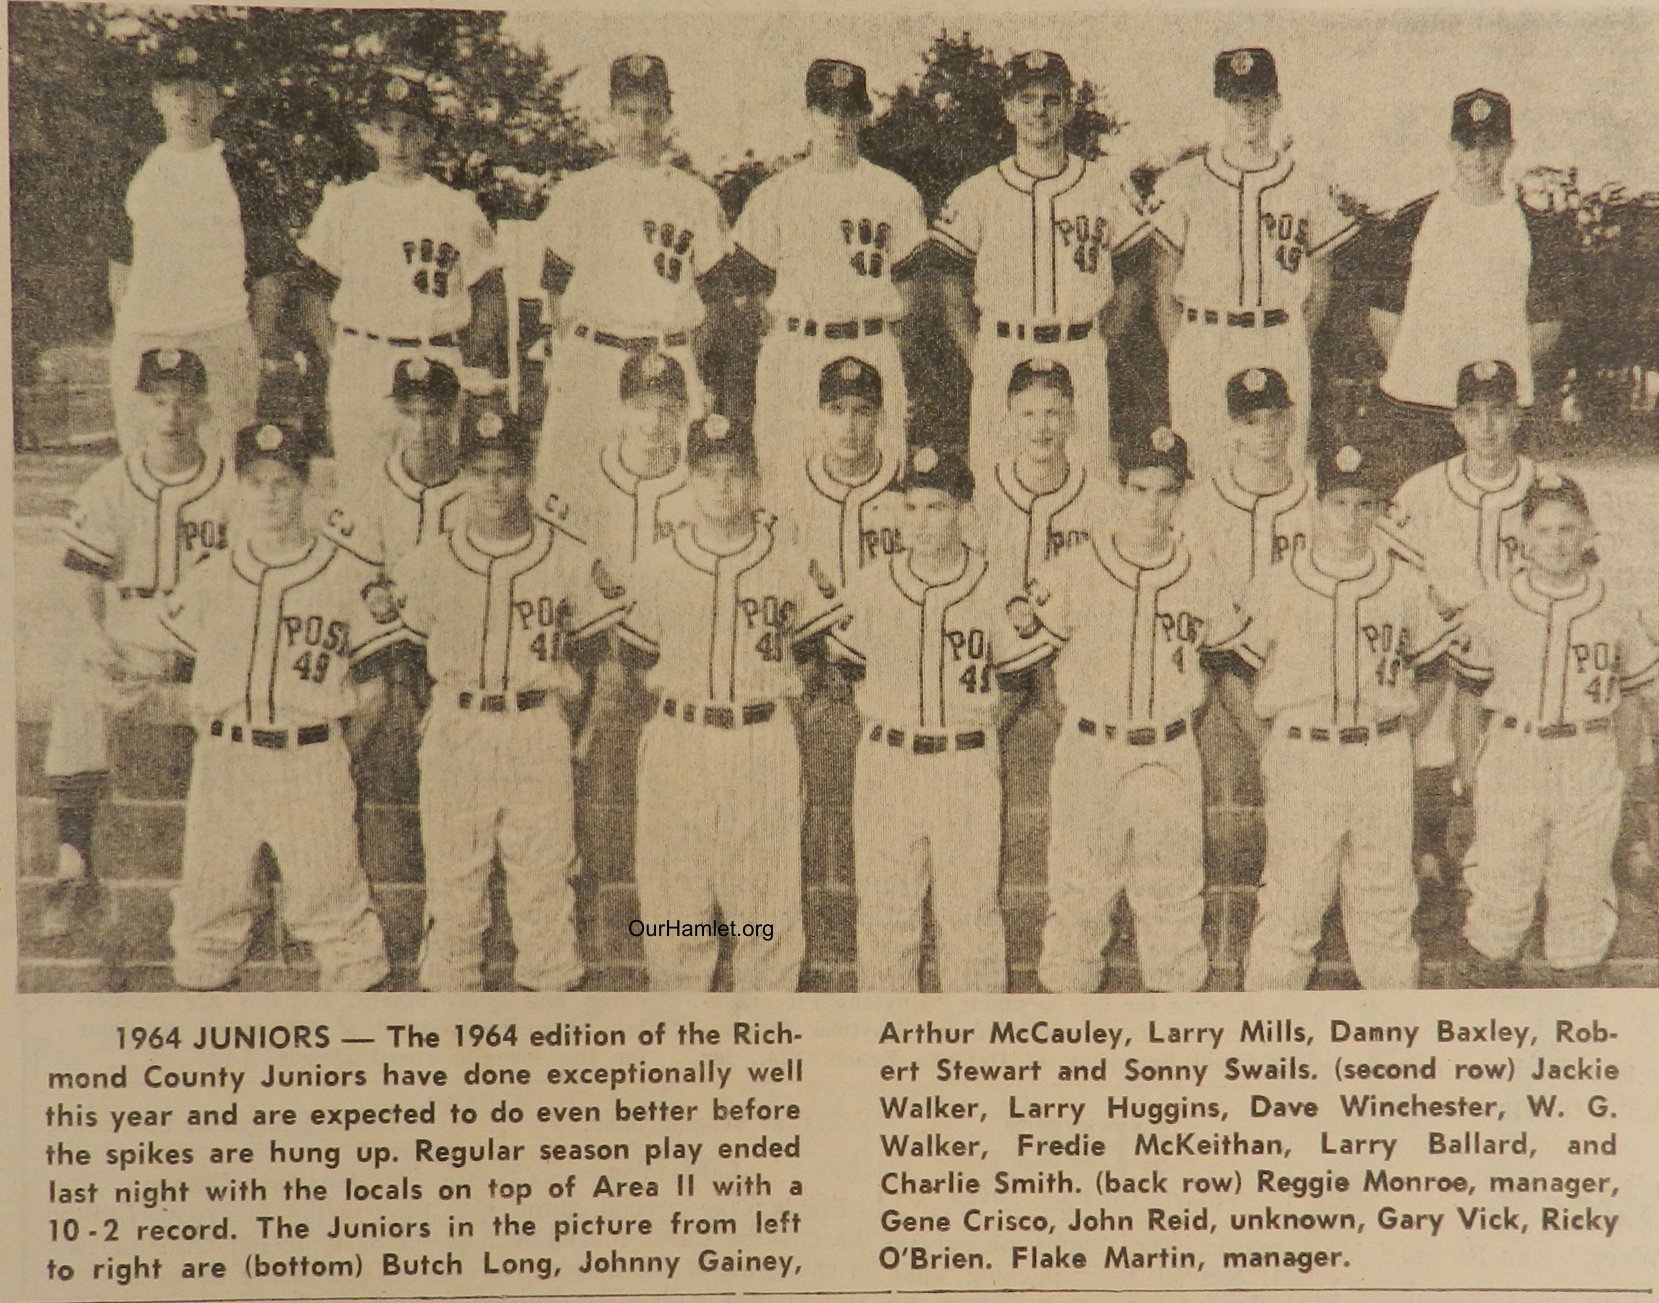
[[104, 655], [480, 382]]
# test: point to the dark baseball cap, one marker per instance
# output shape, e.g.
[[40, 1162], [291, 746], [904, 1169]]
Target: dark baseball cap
[[1258, 389], [171, 366], [1481, 117], [1160, 446], [1246, 73], [421, 377], [849, 377], [835, 86], [639, 74], [275, 441], [1352, 466], [651, 373], [179, 61], [932, 468], [395, 92], [1491, 379], [493, 427], [1032, 68], [720, 436], [1040, 371]]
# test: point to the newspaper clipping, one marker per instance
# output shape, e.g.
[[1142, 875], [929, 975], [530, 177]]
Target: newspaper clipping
[[832, 653]]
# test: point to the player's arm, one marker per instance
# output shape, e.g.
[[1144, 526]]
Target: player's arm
[[484, 340], [1166, 266], [956, 294], [1431, 686], [1134, 278], [1385, 328], [1319, 294], [119, 272], [1468, 728], [369, 704], [1235, 689]]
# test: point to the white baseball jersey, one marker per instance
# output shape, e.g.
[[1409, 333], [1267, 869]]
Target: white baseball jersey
[[620, 513], [833, 237], [845, 527], [277, 645], [1464, 536], [1028, 529], [625, 245], [405, 255], [1243, 533], [393, 513], [724, 626], [1041, 247], [1245, 238]]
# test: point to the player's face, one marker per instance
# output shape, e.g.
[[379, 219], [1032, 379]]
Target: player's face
[[655, 418], [1556, 539], [1043, 418], [849, 426], [641, 125], [272, 496], [1249, 118], [1264, 433], [723, 490], [1482, 163], [835, 131], [173, 412], [188, 109], [1040, 114], [1147, 498], [1487, 427], [497, 486], [400, 142], [932, 520], [424, 423], [1346, 516]]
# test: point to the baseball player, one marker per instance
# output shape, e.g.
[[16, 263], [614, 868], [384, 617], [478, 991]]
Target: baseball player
[[498, 603], [932, 629], [413, 271], [723, 604], [137, 525], [1034, 240], [1335, 637], [834, 230], [1135, 609], [1557, 657], [626, 243], [1245, 237], [287, 632]]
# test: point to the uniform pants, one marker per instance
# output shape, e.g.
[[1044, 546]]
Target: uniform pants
[[88, 698], [361, 416], [924, 822], [1546, 815], [718, 826], [1125, 819], [786, 393], [300, 802], [498, 785], [994, 360], [1203, 358], [231, 359], [1338, 826]]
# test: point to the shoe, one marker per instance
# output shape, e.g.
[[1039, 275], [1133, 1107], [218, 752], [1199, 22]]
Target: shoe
[[1428, 867], [1590, 975], [1475, 971], [1639, 868], [77, 898]]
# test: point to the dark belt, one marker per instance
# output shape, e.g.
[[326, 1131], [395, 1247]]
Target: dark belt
[[135, 594], [403, 341], [1357, 733], [928, 744], [275, 739], [496, 702], [1602, 725], [1044, 334], [633, 343], [1215, 317], [690, 712], [837, 329], [1144, 736]]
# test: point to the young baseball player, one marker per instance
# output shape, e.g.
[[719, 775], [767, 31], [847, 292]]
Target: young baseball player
[[834, 230], [287, 631], [932, 629], [626, 243], [1136, 609], [413, 271], [722, 604], [1034, 240], [1245, 237], [1335, 637], [498, 603], [1557, 657], [136, 526]]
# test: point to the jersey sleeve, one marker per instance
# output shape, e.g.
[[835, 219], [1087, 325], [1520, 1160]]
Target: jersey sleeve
[[1638, 655], [91, 533], [821, 602], [1254, 639], [598, 598], [350, 526], [1130, 226], [324, 239], [480, 255], [1166, 209], [714, 241], [413, 585], [188, 609], [909, 227], [1224, 619], [1401, 526], [960, 226], [641, 624], [556, 231], [1329, 228], [1020, 638], [377, 624], [1471, 654], [757, 231], [847, 637], [1436, 630]]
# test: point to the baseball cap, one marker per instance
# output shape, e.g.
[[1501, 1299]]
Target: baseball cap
[[1492, 379], [492, 427], [179, 61], [396, 92], [1034, 67], [1479, 117], [276, 441], [421, 377], [1245, 74], [849, 377], [1342, 465], [931, 468], [175, 366], [834, 86], [1550, 485], [720, 436], [651, 373], [639, 74], [1156, 447], [1040, 371], [1258, 389]]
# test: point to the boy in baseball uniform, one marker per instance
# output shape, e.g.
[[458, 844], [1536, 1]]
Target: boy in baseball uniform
[[1135, 609], [1245, 235], [1034, 242], [287, 631], [1335, 638], [723, 604], [498, 603], [137, 526], [932, 628]]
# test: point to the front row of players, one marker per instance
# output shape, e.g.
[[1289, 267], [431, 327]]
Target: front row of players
[[288, 637]]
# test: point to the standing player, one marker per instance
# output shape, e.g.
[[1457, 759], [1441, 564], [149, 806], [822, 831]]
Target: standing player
[[1558, 658], [1335, 638], [1034, 241], [498, 603], [626, 243], [1245, 237], [932, 629], [723, 605], [137, 525], [287, 631], [834, 230], [1136, 610]]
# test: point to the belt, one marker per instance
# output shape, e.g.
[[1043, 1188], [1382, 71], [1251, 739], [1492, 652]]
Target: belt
[[1218, 317], [1050, 334], [633, 343], [496, 703], [837, 329], [1551, 731], [1358, 733], [275, 739], [689, 712], [1135, 737], [404, 341], [135, 594], [928, 744]]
